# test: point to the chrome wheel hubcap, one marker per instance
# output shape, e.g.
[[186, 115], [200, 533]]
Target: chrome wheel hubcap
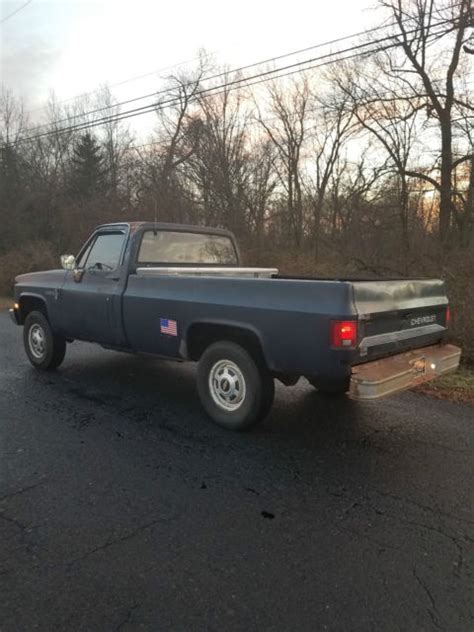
[[227, 385], [37, 341]]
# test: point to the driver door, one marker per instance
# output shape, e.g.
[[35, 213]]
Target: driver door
[[91, 295]]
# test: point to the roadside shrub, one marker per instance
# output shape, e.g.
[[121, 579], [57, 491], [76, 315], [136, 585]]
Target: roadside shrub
[[30, 257], [460, 283]]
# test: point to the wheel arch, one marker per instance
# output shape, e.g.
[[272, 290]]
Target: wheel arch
[[201, 334], [30, 302]]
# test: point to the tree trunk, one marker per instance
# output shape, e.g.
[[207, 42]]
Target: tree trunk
[[467, 229], [316, 228], [446, 196], [404, 212]]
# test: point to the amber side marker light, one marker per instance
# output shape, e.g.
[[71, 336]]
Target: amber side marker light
[[16, 306], [448, 316], [344, 334]]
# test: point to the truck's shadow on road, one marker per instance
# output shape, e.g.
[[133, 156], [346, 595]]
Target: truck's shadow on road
[[149, 404], [157, 394]]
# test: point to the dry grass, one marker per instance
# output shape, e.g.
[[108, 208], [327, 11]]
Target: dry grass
[[457, 387], [5, 302]]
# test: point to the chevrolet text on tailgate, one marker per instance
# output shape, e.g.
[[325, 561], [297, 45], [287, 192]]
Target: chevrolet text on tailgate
[[180, 292]]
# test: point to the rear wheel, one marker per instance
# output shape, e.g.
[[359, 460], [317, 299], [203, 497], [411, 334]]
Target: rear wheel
[[45, 350], [236, 390]]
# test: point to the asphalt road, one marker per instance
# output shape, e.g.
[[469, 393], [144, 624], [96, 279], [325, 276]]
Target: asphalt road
[[123, 508]]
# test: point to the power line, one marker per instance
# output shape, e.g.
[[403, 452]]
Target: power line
[[297, 52], [10, 15], [113, 85], [236, 70], [247, 124], [212, 91], [232, 85]]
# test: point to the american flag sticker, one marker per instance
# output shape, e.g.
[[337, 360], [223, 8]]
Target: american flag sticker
[[168, 327]]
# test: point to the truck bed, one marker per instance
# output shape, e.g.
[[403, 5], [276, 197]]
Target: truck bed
[[286, 313]]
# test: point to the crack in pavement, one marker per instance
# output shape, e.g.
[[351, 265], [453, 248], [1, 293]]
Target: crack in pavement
[[127, 617], [440, 532], [110, 543], [20, 491], [433, 611], [14, 521], [436, 512], [458, 564]]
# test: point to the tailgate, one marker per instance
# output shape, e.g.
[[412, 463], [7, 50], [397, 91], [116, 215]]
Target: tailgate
[[397, 316]]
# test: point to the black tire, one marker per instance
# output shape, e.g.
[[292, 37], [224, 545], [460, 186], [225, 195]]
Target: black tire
[[224, 361], [45, 350], [330, 388]]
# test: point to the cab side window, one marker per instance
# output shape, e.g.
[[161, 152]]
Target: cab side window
[[104, 253]]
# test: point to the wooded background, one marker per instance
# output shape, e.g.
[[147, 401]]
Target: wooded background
[[359, 164]]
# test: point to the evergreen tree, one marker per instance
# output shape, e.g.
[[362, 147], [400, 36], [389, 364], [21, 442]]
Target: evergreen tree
[[88, 170], [9, 172]]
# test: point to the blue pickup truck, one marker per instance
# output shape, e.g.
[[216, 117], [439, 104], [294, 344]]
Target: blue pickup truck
[[181, 292]]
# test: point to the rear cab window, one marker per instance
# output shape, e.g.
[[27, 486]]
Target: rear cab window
[[161, 247]]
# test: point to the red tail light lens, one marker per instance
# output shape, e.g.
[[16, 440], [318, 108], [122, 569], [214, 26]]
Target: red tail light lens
[[448, 316], [344, 333]]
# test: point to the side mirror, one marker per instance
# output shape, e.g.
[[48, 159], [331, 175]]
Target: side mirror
[[68, 262]]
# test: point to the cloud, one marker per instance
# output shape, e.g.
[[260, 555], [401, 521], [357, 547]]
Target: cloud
[[24, 69]]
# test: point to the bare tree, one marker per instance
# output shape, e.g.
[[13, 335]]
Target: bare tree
[[285, 125], [393, 121], [219, 168], [431, 34], [463, 166], [333, 125], [116, 140], [260, 186], [178, 132], [12, 177]]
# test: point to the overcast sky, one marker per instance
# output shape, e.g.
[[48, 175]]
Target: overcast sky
[[71, 47]]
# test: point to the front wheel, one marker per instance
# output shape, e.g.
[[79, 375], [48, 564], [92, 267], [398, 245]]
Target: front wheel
[[45, 350], [236, 391]]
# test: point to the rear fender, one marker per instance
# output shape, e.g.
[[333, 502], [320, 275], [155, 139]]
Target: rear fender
[[200, 334]]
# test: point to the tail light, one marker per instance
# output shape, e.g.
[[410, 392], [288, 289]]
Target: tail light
[[344, 334], [448, 316]]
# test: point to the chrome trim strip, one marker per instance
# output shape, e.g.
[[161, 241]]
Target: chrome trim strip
[[398, 336]]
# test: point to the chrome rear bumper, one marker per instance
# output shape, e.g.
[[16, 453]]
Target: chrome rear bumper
[[403, 371]]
